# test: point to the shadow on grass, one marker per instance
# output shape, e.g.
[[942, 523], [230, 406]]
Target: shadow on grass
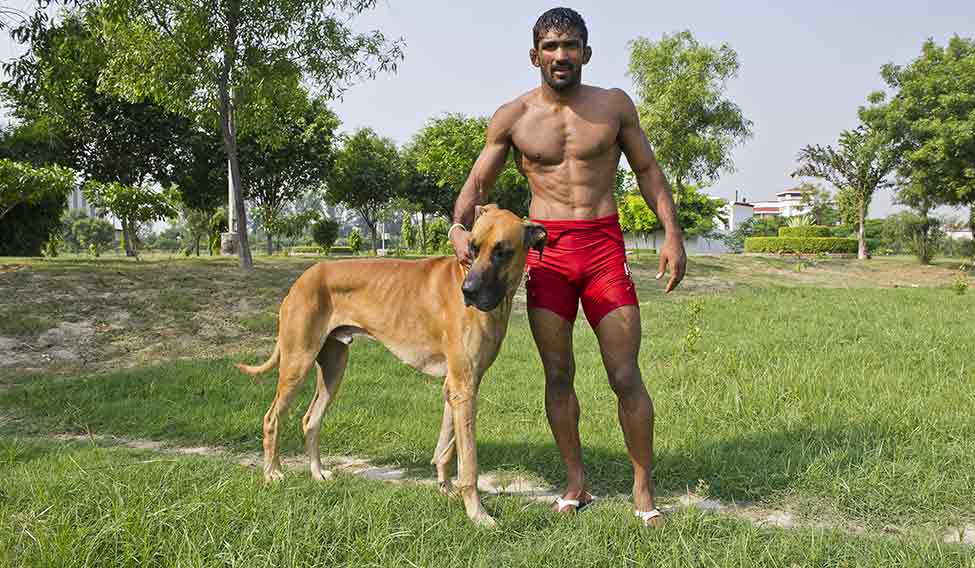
[[741, 468]]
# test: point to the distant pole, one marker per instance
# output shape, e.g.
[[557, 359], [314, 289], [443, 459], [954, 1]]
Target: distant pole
[[230, 239]]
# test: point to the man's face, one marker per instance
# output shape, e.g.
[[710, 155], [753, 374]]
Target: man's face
[[560, 56]]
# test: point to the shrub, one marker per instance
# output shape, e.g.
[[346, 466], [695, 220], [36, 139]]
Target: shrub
[[810, 245], [340, 250], [94, 231], [437, 240], [305, 249], [805, 231], [355, 241], [325, 232], [25, 229]]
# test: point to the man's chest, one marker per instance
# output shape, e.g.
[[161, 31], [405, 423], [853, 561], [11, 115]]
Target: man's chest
[[552, 137]]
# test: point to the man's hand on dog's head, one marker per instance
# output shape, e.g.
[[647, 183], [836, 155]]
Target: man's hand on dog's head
[[461, 241]]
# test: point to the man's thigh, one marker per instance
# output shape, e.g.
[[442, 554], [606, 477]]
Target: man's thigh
[[553, 337], [619, 337]]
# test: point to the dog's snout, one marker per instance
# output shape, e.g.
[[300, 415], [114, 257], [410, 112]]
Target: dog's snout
[[470, 286]]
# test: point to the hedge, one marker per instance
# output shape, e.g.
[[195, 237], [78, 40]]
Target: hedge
[[800, 245], [806, 231], [305, 249]]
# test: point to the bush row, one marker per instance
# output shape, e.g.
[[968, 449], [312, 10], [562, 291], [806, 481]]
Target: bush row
[[810, 245], [815, 231]]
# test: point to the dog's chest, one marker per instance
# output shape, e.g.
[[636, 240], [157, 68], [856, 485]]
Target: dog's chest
[[423, 360]]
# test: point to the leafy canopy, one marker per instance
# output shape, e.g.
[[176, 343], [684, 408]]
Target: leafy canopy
[[689, 122]]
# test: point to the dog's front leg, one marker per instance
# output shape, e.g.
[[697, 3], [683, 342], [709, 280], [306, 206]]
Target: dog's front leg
[[443, 456], [462, 399]]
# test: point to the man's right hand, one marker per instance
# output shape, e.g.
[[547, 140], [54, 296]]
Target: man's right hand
[[461, 241]]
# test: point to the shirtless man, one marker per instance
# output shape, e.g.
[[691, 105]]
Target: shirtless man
[[567, 138]]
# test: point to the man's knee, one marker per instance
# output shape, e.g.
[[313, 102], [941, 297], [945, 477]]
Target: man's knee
[[626, 380], [559, 374]]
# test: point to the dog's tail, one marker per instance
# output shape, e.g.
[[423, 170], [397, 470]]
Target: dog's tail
[[267, 366]]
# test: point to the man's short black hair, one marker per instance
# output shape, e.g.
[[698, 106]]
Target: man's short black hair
[[561, 20]]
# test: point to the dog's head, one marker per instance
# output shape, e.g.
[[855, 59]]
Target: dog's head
[[499, 245]]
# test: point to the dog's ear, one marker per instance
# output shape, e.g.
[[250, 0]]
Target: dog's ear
[[481, 209], [535, 237]]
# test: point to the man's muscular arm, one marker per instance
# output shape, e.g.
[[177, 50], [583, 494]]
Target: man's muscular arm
[[654, 187], [481, 179]]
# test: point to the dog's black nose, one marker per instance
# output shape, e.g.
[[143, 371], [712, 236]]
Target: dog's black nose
[[469, 287]]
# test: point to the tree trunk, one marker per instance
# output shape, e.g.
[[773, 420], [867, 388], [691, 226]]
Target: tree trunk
[[372, 229], [270, 244], [971, 225], [423, 232], [197, 245], [230, 135], [127, 238], [862, 233]]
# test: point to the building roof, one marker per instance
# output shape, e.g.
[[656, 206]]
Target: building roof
[[766, 209], [798, 190], [744, 204]]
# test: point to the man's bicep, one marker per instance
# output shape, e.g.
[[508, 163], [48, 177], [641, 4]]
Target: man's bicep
[[491, 160]]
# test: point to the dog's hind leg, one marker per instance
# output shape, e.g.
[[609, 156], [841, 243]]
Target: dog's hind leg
[[292, 370], [443, 456], [331, 363]]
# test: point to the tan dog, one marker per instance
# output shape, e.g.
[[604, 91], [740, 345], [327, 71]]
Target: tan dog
[[427, 312]]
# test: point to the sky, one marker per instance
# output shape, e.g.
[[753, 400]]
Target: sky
[[805, 67]]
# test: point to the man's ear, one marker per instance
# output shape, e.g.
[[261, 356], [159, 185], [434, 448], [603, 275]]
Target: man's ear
[[535, 237], [533, 55], [586, 54]]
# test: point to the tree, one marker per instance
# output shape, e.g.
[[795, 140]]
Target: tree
[[132, 205], [355, 241], [818, 203], [929, 118], [689, 122], [278, 174], [240, 60], [859, 167], [55, 89], [93, 234], [325, 232], [408, 233], [365, 177], [197, 223], [698, 216], [440, 157], [24, 184]]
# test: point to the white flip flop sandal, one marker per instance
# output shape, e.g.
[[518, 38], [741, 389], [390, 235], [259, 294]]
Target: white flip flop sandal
[[574, 503], [647, 516]]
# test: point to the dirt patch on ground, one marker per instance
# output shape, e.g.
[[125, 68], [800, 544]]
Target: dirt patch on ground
[[80, 316]]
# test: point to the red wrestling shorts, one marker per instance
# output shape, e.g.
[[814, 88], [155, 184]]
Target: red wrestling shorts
[[583, 260]]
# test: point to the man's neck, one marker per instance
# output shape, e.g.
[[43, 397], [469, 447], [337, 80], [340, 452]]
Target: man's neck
[[560, 97]]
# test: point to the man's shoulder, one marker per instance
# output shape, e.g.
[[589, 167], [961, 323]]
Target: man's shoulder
[[508, 113], [614, 95]]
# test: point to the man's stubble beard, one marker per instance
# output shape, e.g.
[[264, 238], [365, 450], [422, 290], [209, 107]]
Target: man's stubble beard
[[562, 86]]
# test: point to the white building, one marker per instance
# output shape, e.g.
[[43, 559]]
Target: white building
[[735, 213], [788, 203], [77, 201]]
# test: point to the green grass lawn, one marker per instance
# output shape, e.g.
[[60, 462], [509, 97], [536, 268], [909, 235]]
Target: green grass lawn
[[847, 407]]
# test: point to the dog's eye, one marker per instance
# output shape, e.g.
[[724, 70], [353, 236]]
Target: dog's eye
[[502, 253]]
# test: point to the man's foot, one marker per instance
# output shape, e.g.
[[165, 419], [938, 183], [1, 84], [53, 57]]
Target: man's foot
[[566, 505], [651, 518]]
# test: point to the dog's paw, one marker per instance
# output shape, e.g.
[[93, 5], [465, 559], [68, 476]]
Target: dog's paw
[[321, 475], [484, 520], [273, 475]]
